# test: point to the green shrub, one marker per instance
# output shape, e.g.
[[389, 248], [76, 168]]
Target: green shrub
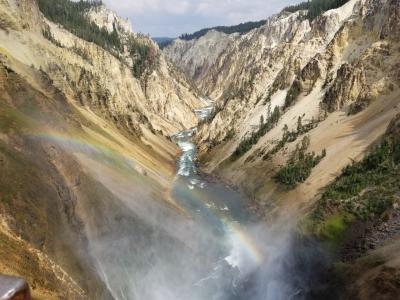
[[292, 94], [48, 35], [291, 136], [246, 144], [145, 57], [333, 230], [365, 189], [299, 166]]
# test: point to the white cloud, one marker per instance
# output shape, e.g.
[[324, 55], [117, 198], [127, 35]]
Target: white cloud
[[173, 17]]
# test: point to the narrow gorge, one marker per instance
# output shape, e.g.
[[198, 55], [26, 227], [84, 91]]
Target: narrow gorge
[[259, 161]]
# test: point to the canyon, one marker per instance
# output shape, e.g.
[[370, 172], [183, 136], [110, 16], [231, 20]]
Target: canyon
[[317, 71], [250, 165]]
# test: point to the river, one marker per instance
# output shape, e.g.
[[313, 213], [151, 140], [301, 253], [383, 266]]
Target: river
[[211, 249], [220, 211]]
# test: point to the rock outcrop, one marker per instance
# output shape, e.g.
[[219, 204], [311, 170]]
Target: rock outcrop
[[197, 57], [70, 112], [105, 18], [338, 65], [163, 96], [333, 83], [348, 86]]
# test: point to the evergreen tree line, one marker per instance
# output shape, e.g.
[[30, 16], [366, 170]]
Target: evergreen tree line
[[71, 15], [145, 58], [264, 127], [292, 94], [300, 165], [379, 172], [242, 28], [291, 136], [315, 7], [48, 35]]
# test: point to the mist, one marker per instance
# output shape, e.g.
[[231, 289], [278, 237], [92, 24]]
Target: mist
[[197, 241], [210, 248]]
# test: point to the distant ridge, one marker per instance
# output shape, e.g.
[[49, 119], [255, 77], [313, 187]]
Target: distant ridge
[[241, 28], [163, 41]]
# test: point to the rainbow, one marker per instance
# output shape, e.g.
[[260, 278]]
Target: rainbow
[[75, 143], [247, 241], [80, 144], [236, 232]]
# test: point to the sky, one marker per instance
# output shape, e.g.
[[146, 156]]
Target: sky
[[171, 18]]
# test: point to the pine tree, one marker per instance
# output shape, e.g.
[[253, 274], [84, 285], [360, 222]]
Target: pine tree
[[299, 124], [315, 7], [269, 111], [285, 130], [71, 15]]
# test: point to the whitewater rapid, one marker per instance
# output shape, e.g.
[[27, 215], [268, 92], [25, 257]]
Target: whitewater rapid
[[223, 207], [206, 246]]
